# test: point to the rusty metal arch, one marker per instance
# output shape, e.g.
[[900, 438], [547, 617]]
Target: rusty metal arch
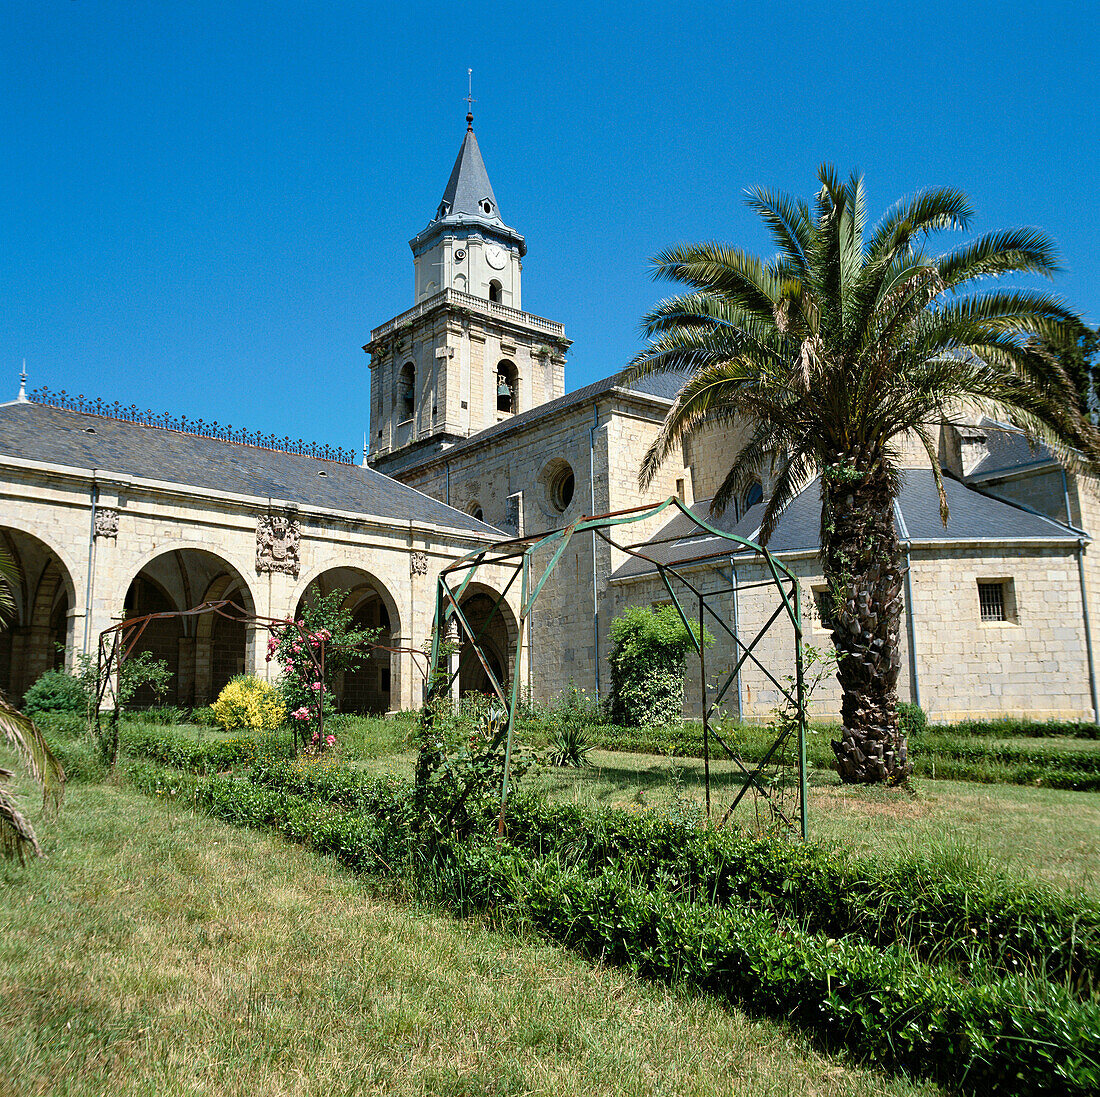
[[518, 554]]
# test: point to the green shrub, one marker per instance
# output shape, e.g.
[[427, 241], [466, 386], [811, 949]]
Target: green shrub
[[647, 665], [1013, 728], [61, 725], [80, 758], [943, 909], [570, 747], [56, 691], [168, 715], [179, 750], [203, 716], [911, 718], [248, 703]]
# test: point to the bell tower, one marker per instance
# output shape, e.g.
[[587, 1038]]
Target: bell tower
[[465, 356]]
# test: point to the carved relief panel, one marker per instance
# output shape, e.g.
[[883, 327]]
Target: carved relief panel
[[278, 539]]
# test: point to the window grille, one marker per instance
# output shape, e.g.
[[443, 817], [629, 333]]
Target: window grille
[[823, 599], [991, 599]]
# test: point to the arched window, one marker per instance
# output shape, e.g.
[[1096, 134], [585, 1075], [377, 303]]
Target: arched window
[[495, 290], [507, 386], [406, 391], [754, 495], [475, 511]]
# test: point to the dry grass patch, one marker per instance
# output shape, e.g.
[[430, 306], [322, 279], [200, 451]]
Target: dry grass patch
[[158, 952]]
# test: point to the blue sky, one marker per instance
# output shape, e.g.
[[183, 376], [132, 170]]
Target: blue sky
[[205, 207]]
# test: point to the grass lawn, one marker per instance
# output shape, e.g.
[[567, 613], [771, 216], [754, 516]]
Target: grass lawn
[[1044, 833], [159, 952]]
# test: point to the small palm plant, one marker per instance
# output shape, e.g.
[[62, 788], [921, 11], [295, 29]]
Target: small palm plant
[[832, 353], [17, 837]]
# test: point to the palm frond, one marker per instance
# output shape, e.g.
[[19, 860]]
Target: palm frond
[[21, 734], [17, 837], [1016, 251], [792, 476], [739, 277], [788, 220], [9, 576]]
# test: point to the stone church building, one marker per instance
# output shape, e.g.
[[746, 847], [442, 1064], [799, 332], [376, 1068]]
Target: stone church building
[[111, 513]]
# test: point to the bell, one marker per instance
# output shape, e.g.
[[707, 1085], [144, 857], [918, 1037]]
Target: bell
[[503, 388]]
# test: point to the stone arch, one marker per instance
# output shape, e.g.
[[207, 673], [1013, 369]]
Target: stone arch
[[405, 395], [498, 641], [201, 652], [45, 598], [376, 685], [507, 386]]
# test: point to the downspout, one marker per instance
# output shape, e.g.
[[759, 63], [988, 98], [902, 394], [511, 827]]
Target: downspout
[[91, 565], [592, 511], [737, 633], [1065, 496], [910, 627], [1088, 629], [447, 466]]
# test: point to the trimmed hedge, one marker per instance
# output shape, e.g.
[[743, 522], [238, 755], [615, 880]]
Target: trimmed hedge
[[182, 751], [939, 910], [1012, 1035], [964, 752]]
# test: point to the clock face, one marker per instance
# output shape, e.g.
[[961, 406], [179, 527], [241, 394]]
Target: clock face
[[495, 256]]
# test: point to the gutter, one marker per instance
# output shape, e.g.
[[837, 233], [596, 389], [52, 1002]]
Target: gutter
[[736, 632]]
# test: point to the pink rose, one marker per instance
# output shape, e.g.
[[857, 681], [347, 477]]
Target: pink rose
[[331, 740]]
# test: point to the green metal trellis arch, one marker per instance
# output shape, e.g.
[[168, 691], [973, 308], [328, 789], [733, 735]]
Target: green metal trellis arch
[[517, 555]]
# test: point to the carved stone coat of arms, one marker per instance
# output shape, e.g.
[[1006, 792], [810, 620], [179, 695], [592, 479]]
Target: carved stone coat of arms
[[278, 540]]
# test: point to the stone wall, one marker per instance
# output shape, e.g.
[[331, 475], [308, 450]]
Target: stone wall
[[1033, 665], [602, 443]]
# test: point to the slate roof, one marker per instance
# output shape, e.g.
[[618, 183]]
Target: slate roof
[[37, 432], [1008, 450], [974, 517]]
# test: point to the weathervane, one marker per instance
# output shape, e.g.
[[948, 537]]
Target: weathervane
[[470, 100]]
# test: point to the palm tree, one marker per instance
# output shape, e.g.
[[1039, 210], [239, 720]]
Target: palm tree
[[17, 837], [834, 351]]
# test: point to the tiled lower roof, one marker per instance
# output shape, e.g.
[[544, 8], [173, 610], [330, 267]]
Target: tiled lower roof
[[974, 516], [1008, 449], [37, 432]]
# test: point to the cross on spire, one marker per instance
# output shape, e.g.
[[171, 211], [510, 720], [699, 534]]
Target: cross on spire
[[470, 100]]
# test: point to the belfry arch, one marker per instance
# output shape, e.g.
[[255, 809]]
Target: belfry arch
[[41, 623], [202, 652], [375, 687]]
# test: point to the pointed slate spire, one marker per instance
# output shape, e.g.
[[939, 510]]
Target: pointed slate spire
[[468, 199], [469, 192]]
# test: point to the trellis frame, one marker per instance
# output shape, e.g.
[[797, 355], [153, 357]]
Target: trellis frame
[[517, 555]]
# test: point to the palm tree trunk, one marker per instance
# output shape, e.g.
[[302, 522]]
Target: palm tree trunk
[[862, 563]]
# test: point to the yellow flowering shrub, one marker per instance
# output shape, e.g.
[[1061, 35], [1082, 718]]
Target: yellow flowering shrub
[[250, 703]]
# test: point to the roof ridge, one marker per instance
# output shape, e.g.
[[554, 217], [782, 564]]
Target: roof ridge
[[62, 401]]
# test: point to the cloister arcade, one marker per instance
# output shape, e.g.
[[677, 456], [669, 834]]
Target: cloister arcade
[[373, 686], [204, 652], [498, 633], [41, 622]]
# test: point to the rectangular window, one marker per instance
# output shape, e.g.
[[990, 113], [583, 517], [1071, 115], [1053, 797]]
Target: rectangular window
[[823, 603], [991, 600]]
